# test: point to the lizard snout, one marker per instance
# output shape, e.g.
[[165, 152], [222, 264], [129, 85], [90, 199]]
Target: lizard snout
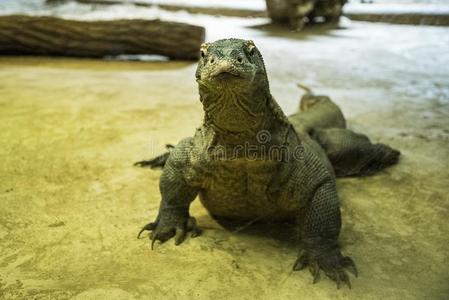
[[224, 68]]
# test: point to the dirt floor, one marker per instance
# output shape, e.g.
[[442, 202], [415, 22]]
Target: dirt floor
[[72, 203]]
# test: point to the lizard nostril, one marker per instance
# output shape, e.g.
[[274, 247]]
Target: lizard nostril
[[212, 60], [240, 60]]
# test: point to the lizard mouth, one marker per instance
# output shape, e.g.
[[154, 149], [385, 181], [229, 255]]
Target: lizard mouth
[[226, 74]]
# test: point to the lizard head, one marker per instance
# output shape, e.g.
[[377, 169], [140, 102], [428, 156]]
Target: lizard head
[[233, 84], [229, 64]]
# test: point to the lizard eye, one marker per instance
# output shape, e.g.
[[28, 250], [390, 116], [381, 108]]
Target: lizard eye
[[251, 51]]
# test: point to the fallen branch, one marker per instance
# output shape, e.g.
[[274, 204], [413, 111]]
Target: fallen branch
[[59, 37]]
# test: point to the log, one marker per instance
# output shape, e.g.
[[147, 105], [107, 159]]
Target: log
[[402, 18], [32, 35], [216, 11]]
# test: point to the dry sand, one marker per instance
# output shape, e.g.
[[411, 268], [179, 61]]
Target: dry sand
[[72, 203]]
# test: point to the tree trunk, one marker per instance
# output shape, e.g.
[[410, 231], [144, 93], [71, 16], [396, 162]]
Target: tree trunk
[[59, 37]]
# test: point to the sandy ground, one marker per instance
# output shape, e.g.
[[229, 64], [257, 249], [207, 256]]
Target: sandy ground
[[72, 203]]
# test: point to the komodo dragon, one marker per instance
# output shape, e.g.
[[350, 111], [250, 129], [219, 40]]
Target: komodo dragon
[[248, 161]]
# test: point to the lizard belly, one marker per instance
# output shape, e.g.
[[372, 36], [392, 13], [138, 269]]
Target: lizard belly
[[241, 190]]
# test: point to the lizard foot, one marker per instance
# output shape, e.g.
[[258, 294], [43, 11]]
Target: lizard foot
[[157, 162], [166, 229], [391, 156], [382, 156], [332, 263]]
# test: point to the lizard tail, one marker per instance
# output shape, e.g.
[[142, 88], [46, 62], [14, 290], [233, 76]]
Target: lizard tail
[[305, 88], [307, 100]]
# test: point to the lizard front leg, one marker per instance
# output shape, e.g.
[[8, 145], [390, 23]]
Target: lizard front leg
[[173, 219], [320, 228]]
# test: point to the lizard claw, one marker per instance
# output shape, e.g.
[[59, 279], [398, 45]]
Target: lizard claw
[[332, 263], [158, 161], [339, 277], [152, 243], [165, 230], [348, 263], [149, 227], [301, 263], [161, 235], [193, 227], [314, 269]]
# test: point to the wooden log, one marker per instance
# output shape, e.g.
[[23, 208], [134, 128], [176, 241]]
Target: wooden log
[[216, 11], [21, 35], [403, 18]]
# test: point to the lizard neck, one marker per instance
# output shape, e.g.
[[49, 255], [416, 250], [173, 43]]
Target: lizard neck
[[237, 117]]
